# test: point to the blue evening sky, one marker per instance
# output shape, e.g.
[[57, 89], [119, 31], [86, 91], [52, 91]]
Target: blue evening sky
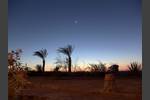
[[105, 30]]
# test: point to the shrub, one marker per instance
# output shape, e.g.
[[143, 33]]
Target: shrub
[[39, 68], [135, 67], [97, 67]]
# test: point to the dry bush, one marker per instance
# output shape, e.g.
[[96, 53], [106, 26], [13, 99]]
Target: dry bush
[[17, 80]]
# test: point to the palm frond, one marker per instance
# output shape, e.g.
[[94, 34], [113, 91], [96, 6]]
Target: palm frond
[[37, 53], [41, 53], [66, 50], [44, 53]]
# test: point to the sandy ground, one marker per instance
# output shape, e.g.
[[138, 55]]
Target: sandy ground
[[83, 89]]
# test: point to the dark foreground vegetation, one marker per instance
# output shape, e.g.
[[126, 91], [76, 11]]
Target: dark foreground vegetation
[[66, 74], [82, 74]]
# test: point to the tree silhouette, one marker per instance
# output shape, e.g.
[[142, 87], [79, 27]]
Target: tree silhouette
[[42, 54], [135, 67], [14, 57], [67, 51]]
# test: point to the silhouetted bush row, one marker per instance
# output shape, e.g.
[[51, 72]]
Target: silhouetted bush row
[[83, 74]]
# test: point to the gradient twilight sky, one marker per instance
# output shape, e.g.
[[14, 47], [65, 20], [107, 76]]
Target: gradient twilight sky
[[105, 30]]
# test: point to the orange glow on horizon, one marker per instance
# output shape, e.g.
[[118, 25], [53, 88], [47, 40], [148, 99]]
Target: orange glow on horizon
[[50, 67]]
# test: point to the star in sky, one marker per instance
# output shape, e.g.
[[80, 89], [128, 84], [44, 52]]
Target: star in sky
[[76, 21]]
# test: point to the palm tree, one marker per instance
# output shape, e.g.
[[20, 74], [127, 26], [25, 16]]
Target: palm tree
[[42, 54], [67, 51]]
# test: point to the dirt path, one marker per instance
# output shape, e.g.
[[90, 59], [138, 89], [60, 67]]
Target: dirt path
[[86, 89]]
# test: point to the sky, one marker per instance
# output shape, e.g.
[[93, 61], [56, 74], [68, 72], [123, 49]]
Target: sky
[[100, 30]]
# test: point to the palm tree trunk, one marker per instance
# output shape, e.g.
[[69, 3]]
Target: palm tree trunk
[[69, 64], [43, 65]]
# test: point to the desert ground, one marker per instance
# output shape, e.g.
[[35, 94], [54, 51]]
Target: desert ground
[[48, 88]]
